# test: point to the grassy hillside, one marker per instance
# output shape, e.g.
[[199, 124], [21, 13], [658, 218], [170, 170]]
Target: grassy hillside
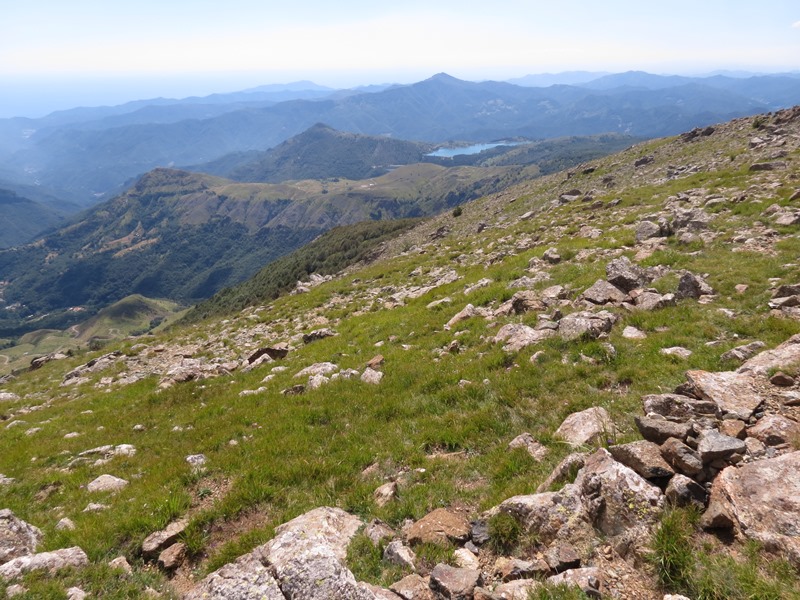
[[450, 400]]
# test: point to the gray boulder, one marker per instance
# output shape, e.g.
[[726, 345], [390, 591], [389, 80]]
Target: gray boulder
[[586, 324], [625, 275]]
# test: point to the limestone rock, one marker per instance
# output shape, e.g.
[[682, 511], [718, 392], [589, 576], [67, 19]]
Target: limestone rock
[[453, 583], [156, 542], [17, 538], [439, 527], [643, 457], [518, 336], [659, 431], [8, 397], [44, 561], [527, 441], [371, 376], [65, 524], [733, 392], [323, 368], [510, 569], [586, 323], [586, 427], [106, 483], [678, 351], [468, 312], [245, 579], [307, 556]]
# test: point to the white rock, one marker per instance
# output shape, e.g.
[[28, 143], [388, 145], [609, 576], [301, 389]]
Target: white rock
[[371, 376], [106, 483]]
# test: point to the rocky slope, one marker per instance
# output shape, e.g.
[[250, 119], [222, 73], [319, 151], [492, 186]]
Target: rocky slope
[[588, 380]]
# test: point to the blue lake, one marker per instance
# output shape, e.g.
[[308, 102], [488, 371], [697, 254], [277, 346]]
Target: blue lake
[[474, 149]]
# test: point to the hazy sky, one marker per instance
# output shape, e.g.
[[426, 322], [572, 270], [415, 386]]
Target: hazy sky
[[52, 48]]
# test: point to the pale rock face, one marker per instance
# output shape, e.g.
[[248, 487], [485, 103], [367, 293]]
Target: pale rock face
[[763, 499], [245, 579], [586, 427], [106, 483], [17, 538], [44, 561], [733, 392], [518, 336], [305, 560]]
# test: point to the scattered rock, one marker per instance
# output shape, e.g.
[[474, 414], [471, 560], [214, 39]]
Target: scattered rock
[[781, 379], [453, 583], [385, 493], [712, 445], [247, 579], [397, 553], [121, 563], [774, 430], [518, 336], [323, 368], [8, 397], [733, 392], [412, 587], [318, 334], [106, 483], [44, 561], [678, 351], [632, 333], [683, 491], [693, 286], [552, 256], [681, 456], [625, 275], [586, 324], [659, 431], [371, 376], [603, 292], [742, 353], [439, 527], [173, 557], [527, 441], [643, 457], [159, 541], [65, 524], [586, 426]]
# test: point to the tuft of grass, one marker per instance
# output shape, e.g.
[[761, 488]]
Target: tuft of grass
[[504, 533]]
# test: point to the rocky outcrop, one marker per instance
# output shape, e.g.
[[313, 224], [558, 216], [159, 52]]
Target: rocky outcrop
[[304, 561], [762, 501], [17, 538], [50, 562]]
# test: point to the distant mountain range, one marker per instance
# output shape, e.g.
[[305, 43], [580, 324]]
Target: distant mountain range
[[89, 154]]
